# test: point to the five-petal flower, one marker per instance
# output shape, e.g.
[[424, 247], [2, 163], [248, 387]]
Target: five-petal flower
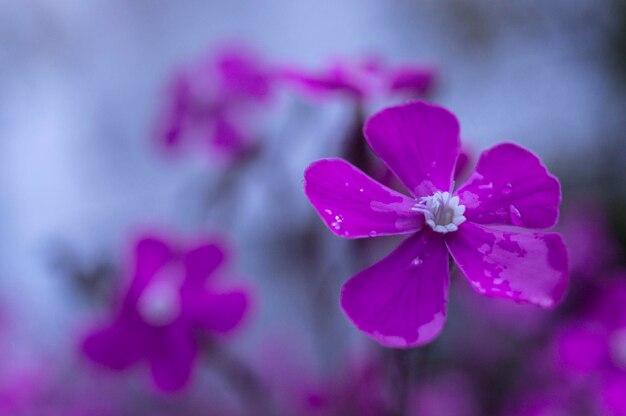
[[487, 225], [214, 104], [172, 300]]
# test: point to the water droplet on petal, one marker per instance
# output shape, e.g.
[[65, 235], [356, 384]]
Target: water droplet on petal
[[347, 184], [417, 261], [373, 233], [361, 190], [515, 215], [329, 212]]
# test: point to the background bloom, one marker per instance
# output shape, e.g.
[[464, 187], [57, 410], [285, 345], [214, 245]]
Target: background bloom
[[363, 79], [212, 104], [168, 311]]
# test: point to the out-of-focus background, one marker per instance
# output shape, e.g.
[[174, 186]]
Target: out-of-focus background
[[82, 86]]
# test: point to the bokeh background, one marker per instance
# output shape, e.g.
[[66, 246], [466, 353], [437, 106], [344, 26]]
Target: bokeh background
[[82, 85]]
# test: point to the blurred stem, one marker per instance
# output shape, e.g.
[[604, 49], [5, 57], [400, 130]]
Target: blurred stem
[[402, 363], [239, 375], [399, 377], [356, 150]]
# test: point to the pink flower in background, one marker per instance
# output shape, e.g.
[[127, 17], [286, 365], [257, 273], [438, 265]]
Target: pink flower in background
[[356, 386], [173, 300], [214, 105], [363, 79], [593, 347], [446, 395], [485, 224]]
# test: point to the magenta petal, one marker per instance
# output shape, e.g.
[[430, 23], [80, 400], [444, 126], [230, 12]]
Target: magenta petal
[[221, 312], [527, 267], [613, 387], [151, 254], [242, 75], [319, 85], [172, 357], [202, 261], [510, 186], [582, 348], [116, 346], [413, 80], [401, 300], [353, 205], [228, 139], [419, 142]]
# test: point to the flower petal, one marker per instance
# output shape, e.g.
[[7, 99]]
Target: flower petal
[[116, 346], [613, 386], [524, 266], [203, 260], [151, 254], [227, 139], [220, 312], [172, 357], [511, 186], [419, 142], [417, 81], [401, 300], [353, 205], [582, 348], [333, 80]]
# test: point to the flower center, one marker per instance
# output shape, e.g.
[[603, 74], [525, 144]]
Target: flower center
[[442, 211], [159, 304]]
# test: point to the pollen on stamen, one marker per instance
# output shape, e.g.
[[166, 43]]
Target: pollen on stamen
[[442, 211]]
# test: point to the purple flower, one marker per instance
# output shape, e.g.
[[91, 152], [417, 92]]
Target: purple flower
[[363, 80], [356, 386], [593, 347], [401, 300], [213, 104], [449, 394], [173, 300]]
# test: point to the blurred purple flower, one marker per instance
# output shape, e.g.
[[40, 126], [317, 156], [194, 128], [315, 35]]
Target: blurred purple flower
[[446, 395], [594, 346], [173, 300], [213, 105], [356, 387], [401, 300], [365, 79]]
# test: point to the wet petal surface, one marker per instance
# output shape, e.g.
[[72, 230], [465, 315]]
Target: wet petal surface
[[353, 205], [510, 186], [419, 142], [401, 300], [526, 267]]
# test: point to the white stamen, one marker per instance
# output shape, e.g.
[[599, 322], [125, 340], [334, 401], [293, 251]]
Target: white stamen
[[442, 211]]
